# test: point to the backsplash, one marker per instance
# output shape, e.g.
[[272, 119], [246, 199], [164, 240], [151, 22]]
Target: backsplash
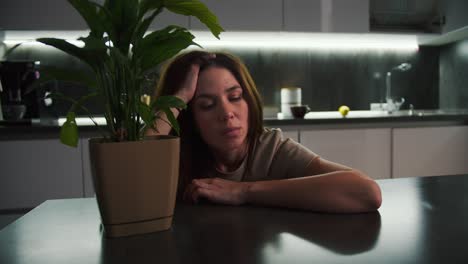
[[328, 78], [453, 78]]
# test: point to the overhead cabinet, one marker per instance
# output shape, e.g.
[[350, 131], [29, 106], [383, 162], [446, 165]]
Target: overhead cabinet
[[239, 15], [290, 15], [455, 14], [60, 15], [259, 15], [39, 15]]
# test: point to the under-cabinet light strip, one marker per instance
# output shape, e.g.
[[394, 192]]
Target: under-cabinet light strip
[[264, 40]]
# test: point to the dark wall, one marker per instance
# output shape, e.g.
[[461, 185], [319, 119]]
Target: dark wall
[[453, 75], [328, 78]]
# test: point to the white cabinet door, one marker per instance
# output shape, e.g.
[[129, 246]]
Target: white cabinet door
[[367, 150], [257, 15], [430, 151], [33, 171]]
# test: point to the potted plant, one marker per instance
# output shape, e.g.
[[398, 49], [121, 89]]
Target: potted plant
[[135, 178]]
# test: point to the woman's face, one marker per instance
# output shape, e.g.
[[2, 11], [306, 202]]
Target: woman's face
[[220, 110]]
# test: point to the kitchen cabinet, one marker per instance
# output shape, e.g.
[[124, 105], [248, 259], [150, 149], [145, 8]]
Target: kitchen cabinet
[[292, 134], [303, 15], [39, 15], [290, 15], [256, 15], [60, 15], [249, 15], [347, 16], [430, 151], [365, 149], [33, 171], [455, 14], [339, 16]]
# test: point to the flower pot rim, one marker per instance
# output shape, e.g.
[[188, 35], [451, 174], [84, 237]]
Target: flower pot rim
[[101, 140]]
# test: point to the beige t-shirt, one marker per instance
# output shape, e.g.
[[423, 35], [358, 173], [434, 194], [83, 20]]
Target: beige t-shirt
[[275, 157]]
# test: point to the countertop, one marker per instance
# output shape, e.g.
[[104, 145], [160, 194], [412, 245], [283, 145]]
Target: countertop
[[373, 117], [421, 220], [49, 128]]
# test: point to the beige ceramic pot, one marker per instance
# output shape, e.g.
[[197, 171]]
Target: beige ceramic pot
[[135, 184]]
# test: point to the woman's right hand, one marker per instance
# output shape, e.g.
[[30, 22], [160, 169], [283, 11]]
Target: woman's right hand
[[189, 86]]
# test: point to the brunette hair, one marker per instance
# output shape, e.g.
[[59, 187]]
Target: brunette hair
[[196, 158]]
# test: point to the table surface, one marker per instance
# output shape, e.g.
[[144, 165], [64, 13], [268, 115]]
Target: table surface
[[422, 220]]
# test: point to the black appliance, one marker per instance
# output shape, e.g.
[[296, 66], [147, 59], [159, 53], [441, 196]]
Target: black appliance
[[17, 102]]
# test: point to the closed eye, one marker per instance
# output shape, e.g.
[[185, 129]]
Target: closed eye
[[235, 98], [206, 106]]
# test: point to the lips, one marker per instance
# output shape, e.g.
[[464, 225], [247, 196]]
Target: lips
[[231, 132]]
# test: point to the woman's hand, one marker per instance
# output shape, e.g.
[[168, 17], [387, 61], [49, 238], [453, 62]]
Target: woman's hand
[[217, 190], [187, 91]]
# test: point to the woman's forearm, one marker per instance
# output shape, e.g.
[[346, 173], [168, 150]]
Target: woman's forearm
[[339, 191], [162, 124]]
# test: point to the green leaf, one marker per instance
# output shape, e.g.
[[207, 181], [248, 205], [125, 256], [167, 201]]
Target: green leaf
[[69, 48], [171, 118], [69, 131], [125, 20], [148, 5], [90, 11], [146, 114], [169, 41], [165, 103], [142, 27], [10, 50], [168, 101], [197, 9], [95, 44]]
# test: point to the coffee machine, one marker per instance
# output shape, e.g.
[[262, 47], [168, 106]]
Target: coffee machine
[[17, 103]]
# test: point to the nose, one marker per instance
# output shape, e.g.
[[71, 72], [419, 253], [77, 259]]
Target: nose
[[226, 112]]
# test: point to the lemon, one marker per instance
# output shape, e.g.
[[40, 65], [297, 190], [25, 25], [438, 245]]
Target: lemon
[[344, 110]]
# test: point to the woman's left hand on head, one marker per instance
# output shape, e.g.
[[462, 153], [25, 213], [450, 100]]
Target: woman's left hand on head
[[219, 191]]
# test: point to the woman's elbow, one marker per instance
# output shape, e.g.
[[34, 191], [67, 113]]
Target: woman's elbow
[[375, 196], [372, 198]]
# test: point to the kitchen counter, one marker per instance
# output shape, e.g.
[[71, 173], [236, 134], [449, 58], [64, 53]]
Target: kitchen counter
[[39, 129], [375, 118]]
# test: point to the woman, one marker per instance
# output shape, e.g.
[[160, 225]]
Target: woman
[[228, 157]]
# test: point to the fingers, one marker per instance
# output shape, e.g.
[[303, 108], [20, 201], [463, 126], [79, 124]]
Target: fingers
[[217, 190], [203, 184], [200, 188], [187, 91], [204, 58]]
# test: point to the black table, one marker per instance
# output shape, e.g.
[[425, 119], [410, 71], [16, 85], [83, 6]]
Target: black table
[[422, 220]]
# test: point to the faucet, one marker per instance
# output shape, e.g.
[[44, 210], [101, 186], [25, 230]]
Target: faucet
[[405, 66]]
